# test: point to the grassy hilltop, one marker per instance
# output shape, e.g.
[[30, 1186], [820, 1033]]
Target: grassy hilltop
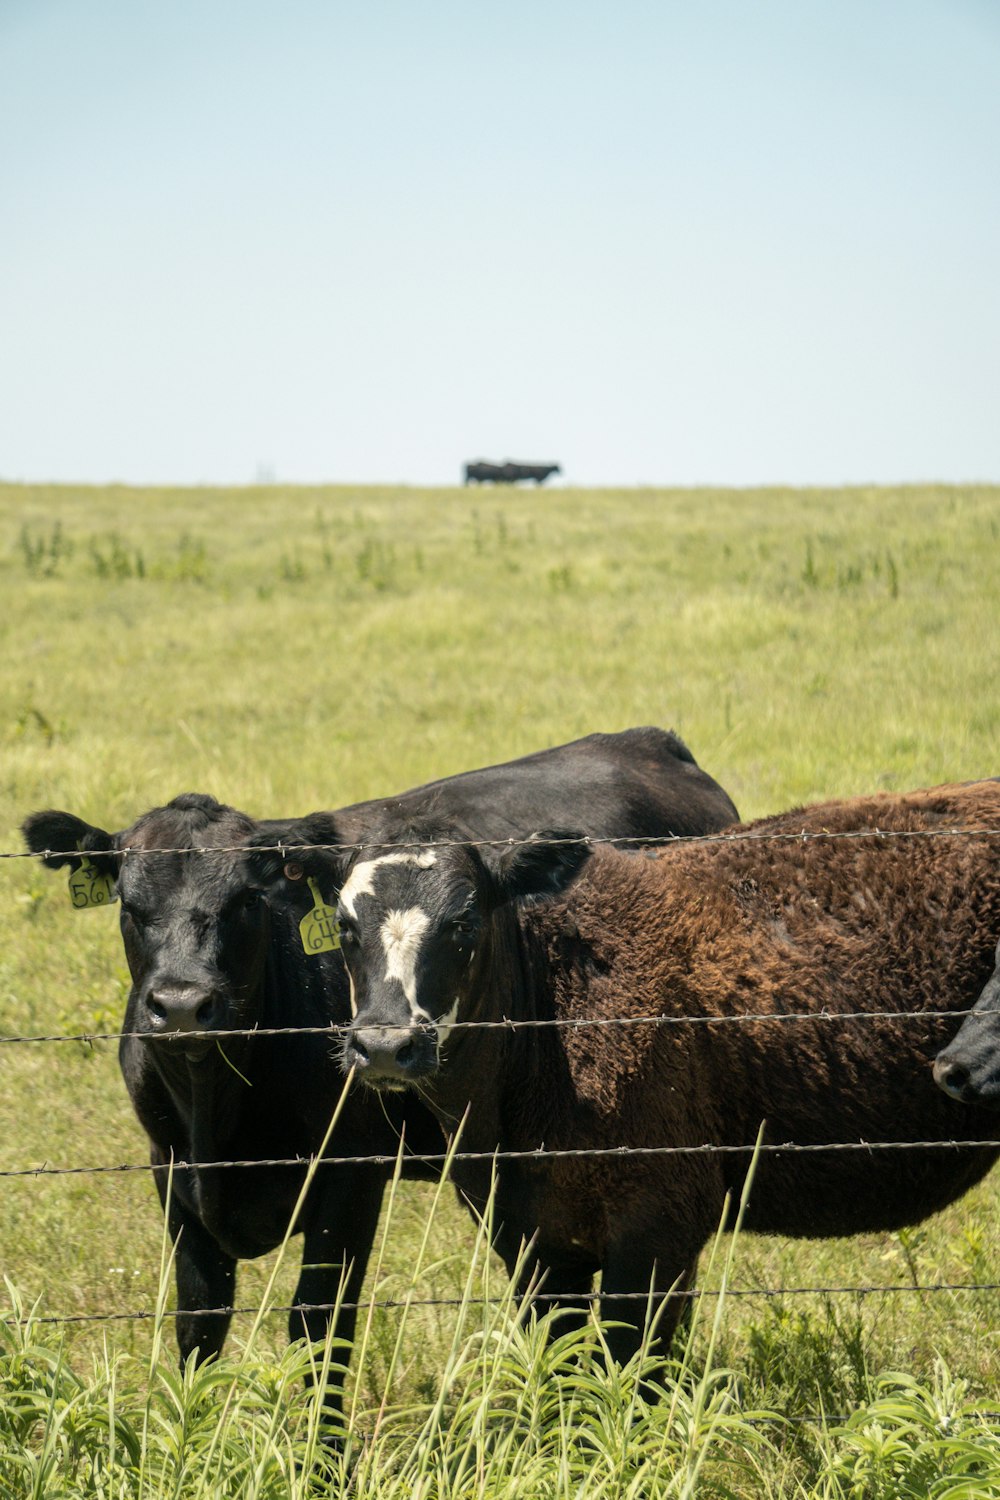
[[287, 649]]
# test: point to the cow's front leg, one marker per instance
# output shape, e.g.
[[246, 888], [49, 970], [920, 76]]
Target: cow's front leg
[[205, 1275], [637, 1285], [557, 1285], [343, 1211], [545, 1278], [206, 1281]]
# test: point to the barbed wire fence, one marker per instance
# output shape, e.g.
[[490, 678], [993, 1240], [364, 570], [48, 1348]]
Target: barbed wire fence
[[289, 850], [634, 842]]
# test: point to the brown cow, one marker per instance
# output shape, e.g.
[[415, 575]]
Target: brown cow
[[798, 934]]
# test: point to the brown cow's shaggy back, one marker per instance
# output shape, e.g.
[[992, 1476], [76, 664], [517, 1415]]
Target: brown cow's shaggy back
[[772, 927]]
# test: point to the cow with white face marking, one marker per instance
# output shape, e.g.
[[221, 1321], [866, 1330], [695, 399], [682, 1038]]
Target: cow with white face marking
[[865, 941], [392, 953]]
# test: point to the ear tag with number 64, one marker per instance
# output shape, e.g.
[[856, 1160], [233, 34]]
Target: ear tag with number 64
[[89, 886], [318, 928]]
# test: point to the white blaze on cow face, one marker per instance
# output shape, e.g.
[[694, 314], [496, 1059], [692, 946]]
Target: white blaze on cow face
[[401, 934], [361, 881]]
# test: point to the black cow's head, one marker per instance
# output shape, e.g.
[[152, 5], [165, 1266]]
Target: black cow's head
[[969, 1067], [416, 933], [195, 925]]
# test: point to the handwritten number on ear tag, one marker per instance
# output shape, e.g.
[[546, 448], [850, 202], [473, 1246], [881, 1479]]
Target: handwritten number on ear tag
[[89, 886], [318, 928]]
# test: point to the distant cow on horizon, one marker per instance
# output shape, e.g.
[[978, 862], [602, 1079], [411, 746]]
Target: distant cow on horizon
[[481, 472]]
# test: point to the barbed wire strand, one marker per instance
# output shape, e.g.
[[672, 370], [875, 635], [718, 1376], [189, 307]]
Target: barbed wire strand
[[145, 1315], [390, 1304], [819, 1419], [541, 1153], [664, 841], [334, 1029]]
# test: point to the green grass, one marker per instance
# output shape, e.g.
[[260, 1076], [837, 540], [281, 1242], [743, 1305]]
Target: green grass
[[518, 1408], [292, 649]]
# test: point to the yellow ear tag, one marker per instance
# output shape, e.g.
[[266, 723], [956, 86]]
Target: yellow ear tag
[[89, 887], [318, 928]]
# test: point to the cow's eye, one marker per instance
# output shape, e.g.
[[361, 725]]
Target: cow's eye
[[463, 927], [252, 899], [347, 931], [138, 917]]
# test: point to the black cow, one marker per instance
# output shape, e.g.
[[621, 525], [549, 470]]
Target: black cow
[[210, 950], [481, 472], [969, 1067], [799, 934]]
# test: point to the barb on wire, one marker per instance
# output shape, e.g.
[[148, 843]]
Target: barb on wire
[[540, 1153]]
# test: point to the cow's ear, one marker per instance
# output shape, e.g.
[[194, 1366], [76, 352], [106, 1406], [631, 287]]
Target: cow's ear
[[56, 835], [543, 865], [284, 853]]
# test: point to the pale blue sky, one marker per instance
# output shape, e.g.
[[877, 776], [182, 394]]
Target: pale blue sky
[[663, 243]]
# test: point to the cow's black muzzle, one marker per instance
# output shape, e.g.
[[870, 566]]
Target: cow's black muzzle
[[965, 1076], [180, 1013], [391, 1056]]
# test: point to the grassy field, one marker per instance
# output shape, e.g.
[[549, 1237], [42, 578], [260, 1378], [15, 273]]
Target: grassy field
[[292, 649]]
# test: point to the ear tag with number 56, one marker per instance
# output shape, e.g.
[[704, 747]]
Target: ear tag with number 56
[[318, 928], [89, 886]]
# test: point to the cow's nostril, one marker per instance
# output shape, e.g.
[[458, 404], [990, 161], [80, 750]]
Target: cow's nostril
[[156, 1010], [951, 1076], [405, 1055], [205, 1012], [356, 1048]]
